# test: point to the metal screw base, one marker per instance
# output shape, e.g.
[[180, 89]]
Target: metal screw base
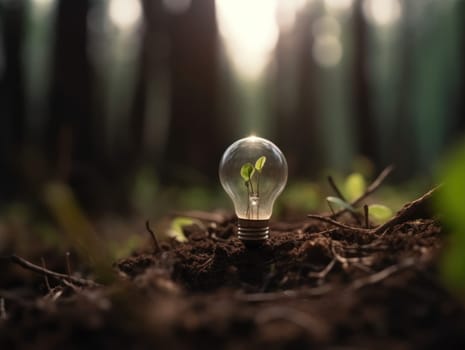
[[253, 232]]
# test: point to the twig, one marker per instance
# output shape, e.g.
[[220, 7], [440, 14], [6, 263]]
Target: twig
[[45, 275], [341, 196], [323, 273], [406, 211], [335, 188], [59, 276], [402, 215], [365, 211], [383, 274], [372, 188], [330, 207], [68, 263], [156, 244], [342, 260], [338, 224]]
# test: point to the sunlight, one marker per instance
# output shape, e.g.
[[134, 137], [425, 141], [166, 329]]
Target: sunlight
[[338, 5], [42, 6], [327, 48], [287, 11], [125, 13], [250, 32], [382, 12]]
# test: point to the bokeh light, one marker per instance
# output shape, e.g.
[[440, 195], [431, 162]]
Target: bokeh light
[[338, 5], [382, 12], [327, 47], [250, 32], [124, 14], [287, 11]]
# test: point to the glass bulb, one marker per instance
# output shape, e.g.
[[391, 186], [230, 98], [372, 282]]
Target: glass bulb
[[253, 172]]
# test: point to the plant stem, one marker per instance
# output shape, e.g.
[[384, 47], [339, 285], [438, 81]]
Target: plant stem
[[248, 200], [258, 194]]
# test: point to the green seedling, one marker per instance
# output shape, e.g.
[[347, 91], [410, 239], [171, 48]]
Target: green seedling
[[354, 188], [251, 175], [176, 228]]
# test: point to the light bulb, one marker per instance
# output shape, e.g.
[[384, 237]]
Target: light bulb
[[253, 172]]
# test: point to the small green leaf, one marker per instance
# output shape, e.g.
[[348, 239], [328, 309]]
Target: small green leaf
[[176, 226], [340, 203], [355, 186], [260, 163], [247, 171], [379, 212]]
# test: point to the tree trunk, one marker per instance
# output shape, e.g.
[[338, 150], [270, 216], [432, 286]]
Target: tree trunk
[[362, 96], [70, 132], [12, 111], [192, 140]]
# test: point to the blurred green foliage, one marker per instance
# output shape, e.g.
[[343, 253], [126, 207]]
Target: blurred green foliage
[[354, 186], [450, 203]]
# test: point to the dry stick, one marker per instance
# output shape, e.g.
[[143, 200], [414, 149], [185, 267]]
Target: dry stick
[[156, 244], [338, 224], [335, 188], [372, 188], [59, 276], [383, 274], [365, 211], [400, 217], [45, 275], [323, 273], [68, 264], [341, 196], [406, 211]]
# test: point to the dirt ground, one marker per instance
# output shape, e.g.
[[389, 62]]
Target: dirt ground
[[321, 282]]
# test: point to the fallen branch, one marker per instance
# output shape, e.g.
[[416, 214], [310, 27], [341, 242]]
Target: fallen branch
[[59, 276], [406, 212]]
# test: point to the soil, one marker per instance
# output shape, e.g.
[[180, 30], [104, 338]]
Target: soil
[[313, 284]]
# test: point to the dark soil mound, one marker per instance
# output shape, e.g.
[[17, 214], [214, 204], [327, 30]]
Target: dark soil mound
[[313, 284]]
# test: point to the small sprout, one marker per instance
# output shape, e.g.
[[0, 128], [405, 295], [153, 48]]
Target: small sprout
[[176, 228], [340, 203], [247, 171], [355, 186], [260, 163], [379, 212]]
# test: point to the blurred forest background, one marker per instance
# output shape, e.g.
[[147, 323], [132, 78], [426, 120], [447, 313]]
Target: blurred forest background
[[131, 103]]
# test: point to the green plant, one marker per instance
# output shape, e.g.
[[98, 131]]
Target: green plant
[[249, 173], [449, 203], [354, 187]]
